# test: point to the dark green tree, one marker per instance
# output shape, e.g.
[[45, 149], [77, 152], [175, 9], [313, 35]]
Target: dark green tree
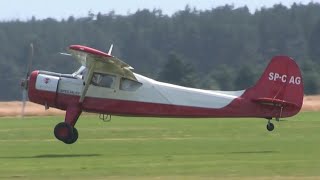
[[245, 78], [214, 43], [224, 75], [314, 43], [177, 72]]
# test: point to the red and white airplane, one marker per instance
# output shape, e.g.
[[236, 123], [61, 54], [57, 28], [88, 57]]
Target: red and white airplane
[[104, 84]]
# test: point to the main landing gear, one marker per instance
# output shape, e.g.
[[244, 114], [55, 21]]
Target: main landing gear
[[65, 131]]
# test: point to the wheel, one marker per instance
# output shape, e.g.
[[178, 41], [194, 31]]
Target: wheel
[[66, 133], [63, 131], [74, 137], [270, 126]]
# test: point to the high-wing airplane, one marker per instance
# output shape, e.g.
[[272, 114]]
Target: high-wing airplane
[[104, 84]]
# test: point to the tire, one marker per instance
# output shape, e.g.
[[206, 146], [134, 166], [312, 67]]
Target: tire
[[270, 127], [74, 138], [66, 133], [63, 131]]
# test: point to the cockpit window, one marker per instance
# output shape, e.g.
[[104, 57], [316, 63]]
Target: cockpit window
[[103, 80], [129, 85]]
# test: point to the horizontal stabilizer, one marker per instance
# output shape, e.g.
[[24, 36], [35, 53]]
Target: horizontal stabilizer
[[275, 102]]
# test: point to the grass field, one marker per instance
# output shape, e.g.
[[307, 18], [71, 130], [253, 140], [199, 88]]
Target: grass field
[[155, 148]]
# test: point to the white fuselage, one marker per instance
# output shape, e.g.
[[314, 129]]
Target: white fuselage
[[151, 91]]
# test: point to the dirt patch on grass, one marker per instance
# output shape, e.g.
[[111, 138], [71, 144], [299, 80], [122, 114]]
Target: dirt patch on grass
[[311, 103], [14, 108]]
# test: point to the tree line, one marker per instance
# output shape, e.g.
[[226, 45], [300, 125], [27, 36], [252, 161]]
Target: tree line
[[223, 48]]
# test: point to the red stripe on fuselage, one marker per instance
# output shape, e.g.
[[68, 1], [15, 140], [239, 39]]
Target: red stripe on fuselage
[[237, 108]]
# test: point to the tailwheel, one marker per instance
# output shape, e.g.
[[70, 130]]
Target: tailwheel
[[270, 126], [66, 133]]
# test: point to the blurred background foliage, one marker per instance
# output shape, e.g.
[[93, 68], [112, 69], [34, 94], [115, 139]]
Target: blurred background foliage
[[224, 48]]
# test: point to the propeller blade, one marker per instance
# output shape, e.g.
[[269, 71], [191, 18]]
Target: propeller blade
[[24, 101], [24, 82], [30, 60]]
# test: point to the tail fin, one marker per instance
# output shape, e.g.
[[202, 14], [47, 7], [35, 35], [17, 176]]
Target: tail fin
[[280, 85]]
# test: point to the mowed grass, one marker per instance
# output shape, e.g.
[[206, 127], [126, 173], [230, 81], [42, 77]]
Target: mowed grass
[[162, 148]]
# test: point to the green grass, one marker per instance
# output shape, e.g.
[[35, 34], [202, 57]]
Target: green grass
[[155, 148]]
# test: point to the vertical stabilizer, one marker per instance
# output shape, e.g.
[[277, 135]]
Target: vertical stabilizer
[[280, 85]]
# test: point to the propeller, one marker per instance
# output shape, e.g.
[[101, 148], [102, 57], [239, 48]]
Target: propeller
[[24, 82]]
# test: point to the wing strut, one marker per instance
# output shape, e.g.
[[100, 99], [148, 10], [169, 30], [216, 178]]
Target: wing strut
[[87, 81]]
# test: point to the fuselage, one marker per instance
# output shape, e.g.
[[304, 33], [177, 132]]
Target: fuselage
[[143, 97]]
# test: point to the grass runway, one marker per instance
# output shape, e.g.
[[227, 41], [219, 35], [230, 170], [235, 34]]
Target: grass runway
[[162, 148]]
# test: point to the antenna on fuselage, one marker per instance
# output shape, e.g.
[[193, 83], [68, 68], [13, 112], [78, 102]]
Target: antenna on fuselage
[[110, 50]]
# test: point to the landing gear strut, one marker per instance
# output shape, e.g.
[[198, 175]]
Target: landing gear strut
[[65, 131]]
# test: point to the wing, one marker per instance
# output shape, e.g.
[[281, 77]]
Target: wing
[[103, 62], [98, 61]]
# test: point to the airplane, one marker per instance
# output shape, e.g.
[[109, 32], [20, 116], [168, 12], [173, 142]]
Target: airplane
[[106, 85]]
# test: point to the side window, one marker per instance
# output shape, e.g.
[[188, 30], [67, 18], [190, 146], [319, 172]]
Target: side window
[[129, 85], [103, 80]]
